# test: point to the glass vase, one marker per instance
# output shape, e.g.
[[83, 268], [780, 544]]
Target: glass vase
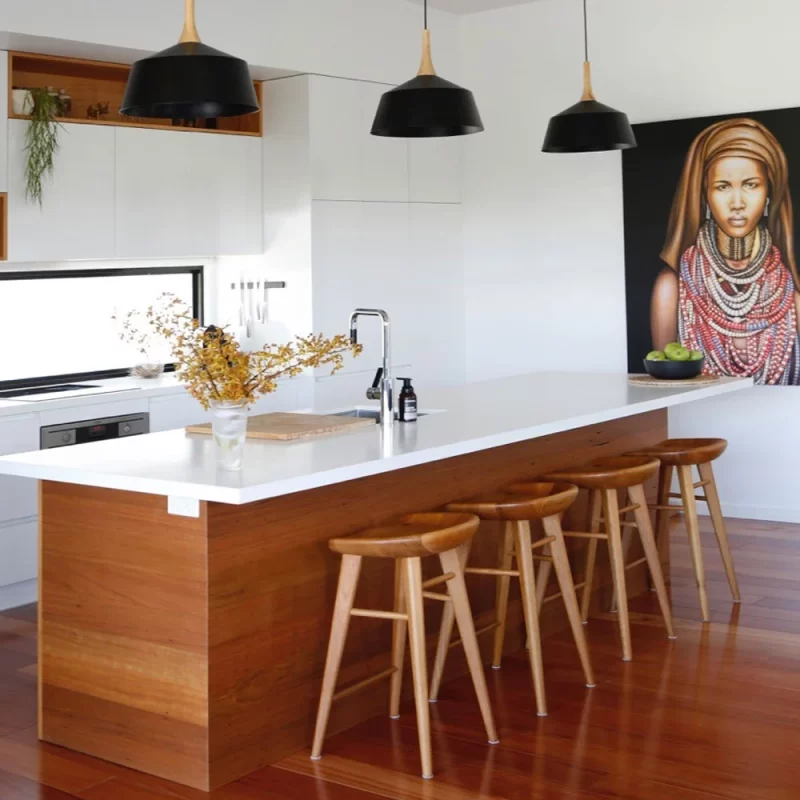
[[229, 429]]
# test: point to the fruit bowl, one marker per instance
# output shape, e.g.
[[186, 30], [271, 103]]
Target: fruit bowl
[[674, 370]]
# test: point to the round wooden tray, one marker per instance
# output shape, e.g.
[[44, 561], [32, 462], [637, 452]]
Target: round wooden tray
[[649, 380]]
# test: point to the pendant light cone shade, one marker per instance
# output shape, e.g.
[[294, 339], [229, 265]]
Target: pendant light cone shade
[[427, 106], [589, 126], [189, 80]]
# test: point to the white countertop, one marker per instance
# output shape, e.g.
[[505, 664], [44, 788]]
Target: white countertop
[[109, 388], [475, 417]]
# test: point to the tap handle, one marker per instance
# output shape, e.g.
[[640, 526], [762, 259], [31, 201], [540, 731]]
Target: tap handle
[[378, 376]]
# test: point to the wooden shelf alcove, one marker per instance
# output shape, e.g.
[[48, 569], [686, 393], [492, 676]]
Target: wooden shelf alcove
[[91, 82]]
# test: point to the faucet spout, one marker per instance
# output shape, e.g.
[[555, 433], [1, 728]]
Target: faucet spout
[[383, 385]]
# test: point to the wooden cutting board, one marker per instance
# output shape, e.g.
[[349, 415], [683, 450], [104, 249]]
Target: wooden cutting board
[[285, 427]]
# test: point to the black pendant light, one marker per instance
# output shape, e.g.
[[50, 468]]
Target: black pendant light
[[189, 81], [427, 106], [588, 126]]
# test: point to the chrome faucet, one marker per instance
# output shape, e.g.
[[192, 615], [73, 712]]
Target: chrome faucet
[[381, 388]]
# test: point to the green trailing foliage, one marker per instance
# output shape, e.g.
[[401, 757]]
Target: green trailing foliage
[[41, 143]]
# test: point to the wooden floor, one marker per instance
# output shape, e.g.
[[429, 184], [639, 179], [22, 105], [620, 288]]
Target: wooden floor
[[715, 714]]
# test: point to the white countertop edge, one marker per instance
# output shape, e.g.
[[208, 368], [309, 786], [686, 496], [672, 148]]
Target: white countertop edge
[[241, 496]]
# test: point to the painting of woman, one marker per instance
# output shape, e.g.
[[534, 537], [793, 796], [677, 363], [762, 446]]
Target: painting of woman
[[730, 285]]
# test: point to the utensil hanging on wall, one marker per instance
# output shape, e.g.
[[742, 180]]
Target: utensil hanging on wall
[[427, 106], [189, 81], [588, 126]]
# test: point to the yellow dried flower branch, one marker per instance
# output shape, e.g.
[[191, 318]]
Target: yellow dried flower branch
[[211, 362]]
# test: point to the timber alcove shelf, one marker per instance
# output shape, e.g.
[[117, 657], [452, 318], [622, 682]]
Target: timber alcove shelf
[[89, 83]]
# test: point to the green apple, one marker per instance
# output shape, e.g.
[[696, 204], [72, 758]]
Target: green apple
[[655, 355], [677, 352], [695, 355]]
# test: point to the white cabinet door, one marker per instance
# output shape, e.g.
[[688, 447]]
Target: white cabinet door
[[347, 162], [19, 552], [184, 194], [435, 168], [18, 496], [4, 121], [175, 411], [76, 220]]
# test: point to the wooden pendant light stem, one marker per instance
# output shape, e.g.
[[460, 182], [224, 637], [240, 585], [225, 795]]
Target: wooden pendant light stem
[[190, 33], [426, 65], [588, 94]]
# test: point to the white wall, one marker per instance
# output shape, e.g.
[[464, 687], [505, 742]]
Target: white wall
[[544, 261], [369, 39]]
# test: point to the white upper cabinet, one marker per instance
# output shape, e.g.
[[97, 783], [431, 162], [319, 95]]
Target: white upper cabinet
[[347, 162], [76, 220], [3, 121], [183, 194], [434, 170]]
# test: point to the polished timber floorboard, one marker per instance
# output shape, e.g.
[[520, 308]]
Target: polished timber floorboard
[[715, 714]]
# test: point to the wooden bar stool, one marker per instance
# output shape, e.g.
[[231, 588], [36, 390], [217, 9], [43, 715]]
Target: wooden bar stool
[[683, 454], [407, 540], [603, 478], [517, 506]]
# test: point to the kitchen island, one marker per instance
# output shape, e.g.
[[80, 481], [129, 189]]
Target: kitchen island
[[184, 612]]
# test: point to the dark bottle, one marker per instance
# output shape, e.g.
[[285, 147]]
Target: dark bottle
[[408, 402]]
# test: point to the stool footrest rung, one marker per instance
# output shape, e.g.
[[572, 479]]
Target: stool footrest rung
[[485, 629], [366, 682], [512, 573], [636, 563], [697, 485], [549, 559], [585, 535], [659, 507], [448, 576], [543, 542], [443, 598], [701, 498], [628, 523], [368, 612], [631, 507]]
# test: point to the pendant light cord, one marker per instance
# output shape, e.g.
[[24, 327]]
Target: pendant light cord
[[585, 32], [426, 14]]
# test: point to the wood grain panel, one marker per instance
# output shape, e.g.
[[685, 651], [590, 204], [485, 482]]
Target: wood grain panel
[[272, 580], [123, 641]]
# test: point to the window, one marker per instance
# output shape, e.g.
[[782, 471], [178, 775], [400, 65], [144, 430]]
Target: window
[[57, 326]]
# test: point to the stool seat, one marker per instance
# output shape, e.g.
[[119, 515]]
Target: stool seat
[[615, 472], [520, 501], [686, 452], [410, 536]]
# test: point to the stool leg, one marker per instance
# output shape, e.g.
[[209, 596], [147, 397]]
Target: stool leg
[[528, 586], [611, 512], [446, 632], [552, 527], [714, 508], [663, 517], [595, 506], [504, 561], [416, 638], [693, 529], [543, 577], [345, 595], [637, 495], [399, 632], [466, 628], [627, 535]]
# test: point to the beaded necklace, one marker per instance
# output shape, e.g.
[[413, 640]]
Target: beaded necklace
[[754, 307]]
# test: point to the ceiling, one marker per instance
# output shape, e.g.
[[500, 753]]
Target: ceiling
[[470, 6]]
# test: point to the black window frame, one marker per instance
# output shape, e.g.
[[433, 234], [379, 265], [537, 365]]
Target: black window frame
[[198, 294]]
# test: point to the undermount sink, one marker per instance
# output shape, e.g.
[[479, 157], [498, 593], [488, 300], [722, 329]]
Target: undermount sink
[[372, 413]]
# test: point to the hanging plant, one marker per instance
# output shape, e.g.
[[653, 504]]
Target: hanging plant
[[41, 143]]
